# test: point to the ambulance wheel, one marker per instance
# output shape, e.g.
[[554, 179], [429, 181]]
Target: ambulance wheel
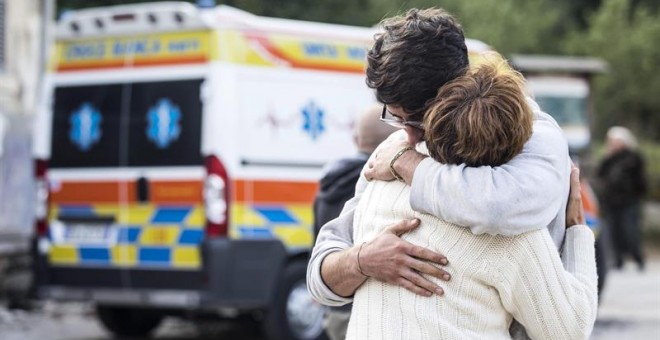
[[293, 313], [128, 322]]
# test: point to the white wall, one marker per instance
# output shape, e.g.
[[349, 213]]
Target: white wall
[[20, 79], [20, 74]]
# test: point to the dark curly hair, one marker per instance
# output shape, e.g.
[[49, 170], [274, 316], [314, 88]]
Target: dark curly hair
[[414, 56], [480, 118]]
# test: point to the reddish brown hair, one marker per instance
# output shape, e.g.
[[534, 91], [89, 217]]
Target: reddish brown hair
[[480, 118]]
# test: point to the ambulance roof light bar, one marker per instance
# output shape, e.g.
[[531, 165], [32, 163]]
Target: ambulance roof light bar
[[130, 19]]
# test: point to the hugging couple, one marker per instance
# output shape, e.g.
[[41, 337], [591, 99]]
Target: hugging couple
[[467, 223]]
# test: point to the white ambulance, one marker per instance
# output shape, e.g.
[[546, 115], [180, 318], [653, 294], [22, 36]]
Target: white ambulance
[[178, 157]]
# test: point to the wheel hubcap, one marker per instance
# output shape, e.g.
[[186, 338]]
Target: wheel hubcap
[[304, 314]]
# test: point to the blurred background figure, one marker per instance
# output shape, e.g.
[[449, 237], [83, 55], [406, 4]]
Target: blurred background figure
[[622, 184], [338, 185]]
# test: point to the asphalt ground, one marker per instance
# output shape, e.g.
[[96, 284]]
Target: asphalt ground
[[629, 309]]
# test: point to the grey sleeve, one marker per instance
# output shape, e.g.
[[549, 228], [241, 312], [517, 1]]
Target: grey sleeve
[[336, 235], [522, 195]]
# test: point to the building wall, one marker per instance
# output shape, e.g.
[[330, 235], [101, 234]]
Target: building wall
[[20, 65], [20, 75]]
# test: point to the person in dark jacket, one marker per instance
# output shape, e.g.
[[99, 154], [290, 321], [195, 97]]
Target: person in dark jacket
[[338, 186], [623, 185]]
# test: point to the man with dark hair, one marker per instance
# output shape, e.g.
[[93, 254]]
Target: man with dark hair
[[413, 57], [427, 47], [338, 186]]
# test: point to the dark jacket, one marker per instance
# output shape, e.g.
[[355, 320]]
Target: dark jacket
[[335, 188], [621, 179]]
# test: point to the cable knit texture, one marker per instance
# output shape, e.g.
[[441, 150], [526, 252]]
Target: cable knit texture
[[494, 278]]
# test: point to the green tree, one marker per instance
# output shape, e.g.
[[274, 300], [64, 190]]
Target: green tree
[[510, 26], [627, 38], [623, 32], [513, 26]]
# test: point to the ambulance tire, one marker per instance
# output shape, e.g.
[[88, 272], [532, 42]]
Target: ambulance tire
[[128, 322], [291, 303]]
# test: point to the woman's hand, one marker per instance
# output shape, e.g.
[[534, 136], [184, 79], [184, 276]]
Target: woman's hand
[[379, 163], [574, 209]]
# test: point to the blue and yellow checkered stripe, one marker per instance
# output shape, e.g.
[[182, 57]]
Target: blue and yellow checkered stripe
[[291, 223], [169, 237], [147, 236]]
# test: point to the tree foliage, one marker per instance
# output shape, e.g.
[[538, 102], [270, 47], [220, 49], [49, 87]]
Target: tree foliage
[[627, 38], [511, 26], [623, 32]]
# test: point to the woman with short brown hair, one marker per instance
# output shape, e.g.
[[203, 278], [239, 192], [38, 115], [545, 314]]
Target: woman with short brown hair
[[481, 119]]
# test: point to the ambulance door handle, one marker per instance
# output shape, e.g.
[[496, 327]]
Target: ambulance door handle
[[142, 188]]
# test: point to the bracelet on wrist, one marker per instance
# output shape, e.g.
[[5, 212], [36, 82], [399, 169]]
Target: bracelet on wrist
[[395, 158]]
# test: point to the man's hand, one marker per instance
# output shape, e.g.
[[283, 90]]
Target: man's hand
[[390, 259], [574, 209]]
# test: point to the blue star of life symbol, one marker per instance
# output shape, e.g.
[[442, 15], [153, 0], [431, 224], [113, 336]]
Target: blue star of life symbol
[[163, 123], [313, 120], [85, 126]]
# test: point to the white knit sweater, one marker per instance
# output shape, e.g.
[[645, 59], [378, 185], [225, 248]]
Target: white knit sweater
[[494, 279]]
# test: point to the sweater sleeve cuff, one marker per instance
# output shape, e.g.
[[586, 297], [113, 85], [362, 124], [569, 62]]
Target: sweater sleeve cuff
[[579, 252], [315, 284]]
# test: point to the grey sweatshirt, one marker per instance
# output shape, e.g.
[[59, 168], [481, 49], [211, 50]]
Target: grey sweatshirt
[[528, 193]]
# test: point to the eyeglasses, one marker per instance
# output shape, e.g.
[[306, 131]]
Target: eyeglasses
[[397, 122]]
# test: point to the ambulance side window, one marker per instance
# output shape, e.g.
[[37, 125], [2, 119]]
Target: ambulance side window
[[85, 126], [165, 123]]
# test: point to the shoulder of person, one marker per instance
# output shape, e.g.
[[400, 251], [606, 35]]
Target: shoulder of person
[[339, 165], [546, 131], [397, 135], [541, 117], [529, 242]]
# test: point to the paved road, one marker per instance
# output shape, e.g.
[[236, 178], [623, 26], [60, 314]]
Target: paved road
[[630, 309], [75, 321], [630, 304]]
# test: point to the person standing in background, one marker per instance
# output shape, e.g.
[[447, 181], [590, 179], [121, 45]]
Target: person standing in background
[[622, 186], [338, 186]]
